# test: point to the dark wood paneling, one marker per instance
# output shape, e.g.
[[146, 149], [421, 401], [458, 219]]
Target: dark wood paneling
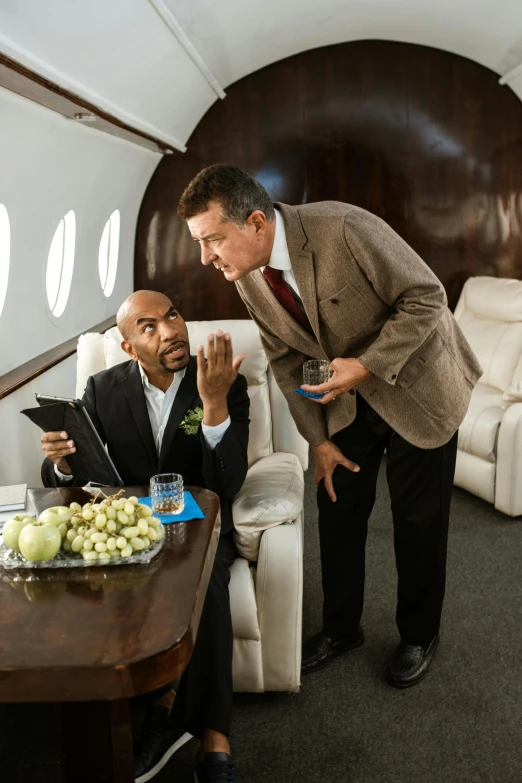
[[18, 377], [427, 140], [19, 79]]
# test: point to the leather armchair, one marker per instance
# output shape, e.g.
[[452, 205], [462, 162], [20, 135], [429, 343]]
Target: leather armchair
[[489, 459], [266, 585]]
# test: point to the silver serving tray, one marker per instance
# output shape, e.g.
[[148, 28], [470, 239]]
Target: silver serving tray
[[11, 559]]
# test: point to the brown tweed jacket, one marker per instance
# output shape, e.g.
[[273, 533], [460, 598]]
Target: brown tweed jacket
[[367, 295]]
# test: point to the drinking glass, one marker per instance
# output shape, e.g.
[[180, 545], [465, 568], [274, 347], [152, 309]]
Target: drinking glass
[[316, 371], [166, 493]]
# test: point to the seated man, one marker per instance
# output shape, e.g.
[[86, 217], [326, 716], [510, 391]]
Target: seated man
[[137, 407]]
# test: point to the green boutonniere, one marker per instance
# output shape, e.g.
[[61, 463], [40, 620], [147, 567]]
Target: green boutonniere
[[192, 420]]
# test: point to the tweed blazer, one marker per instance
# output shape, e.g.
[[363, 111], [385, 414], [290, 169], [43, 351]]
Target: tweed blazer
[[367, 295]]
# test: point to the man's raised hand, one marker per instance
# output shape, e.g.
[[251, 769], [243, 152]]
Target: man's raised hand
[[217, 373]]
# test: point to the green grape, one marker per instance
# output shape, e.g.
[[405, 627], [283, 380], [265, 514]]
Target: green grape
[[146, 541], [77, 544], [96, 507], [90, 555], [121, 542], [88, 533], [133, 499], [86, 505], [122, 517], [143, 526], [88, 545], [71, 535], [99, 538], [146, 511], [88, 514], [62, 529], [104, 557], [82, 529], [136, 543], [75, 506], [128, 508], [66, 545], [101, 521], [111, 526], [117, 504], [127, 552], [152, 534], [154, 521], [160, 532], [110, 512], [100, 546], [111, 544], [132, 519], [130, 532], [115, 553]]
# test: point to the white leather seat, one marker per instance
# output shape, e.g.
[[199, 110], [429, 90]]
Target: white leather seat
[[489, 456], [266, 585]]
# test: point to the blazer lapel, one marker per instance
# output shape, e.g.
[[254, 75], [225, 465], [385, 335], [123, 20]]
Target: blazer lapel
[[133, 389], [186, 394]]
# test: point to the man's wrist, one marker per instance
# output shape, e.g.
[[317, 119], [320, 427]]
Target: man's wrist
[[215, 411]]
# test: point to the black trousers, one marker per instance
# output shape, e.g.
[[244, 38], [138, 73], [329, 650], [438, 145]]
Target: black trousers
[[420, 483], [204, 695]]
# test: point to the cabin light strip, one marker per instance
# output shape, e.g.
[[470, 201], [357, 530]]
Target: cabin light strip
[[511, 75], [24, 57], [175, 28]]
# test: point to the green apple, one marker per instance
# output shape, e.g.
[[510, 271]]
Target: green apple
[[12, 529], [39, 541], [56, 515]]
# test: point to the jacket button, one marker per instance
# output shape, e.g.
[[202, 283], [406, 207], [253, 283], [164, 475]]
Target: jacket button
[[352, 391], [334, 301], [393, 377]]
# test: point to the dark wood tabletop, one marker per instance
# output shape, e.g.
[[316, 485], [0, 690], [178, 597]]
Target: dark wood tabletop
[[106, 632]]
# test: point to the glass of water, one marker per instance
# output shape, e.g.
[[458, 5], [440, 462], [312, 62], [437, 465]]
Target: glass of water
[[166, 493], [316, 371]]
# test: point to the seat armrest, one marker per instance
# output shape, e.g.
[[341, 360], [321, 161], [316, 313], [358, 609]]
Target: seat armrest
[[508, 491], [279, 590], [271, 495]]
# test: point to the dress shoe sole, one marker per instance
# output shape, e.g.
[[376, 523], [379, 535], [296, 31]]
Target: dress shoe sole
[[321, 664], [401, 684], [164, 759]]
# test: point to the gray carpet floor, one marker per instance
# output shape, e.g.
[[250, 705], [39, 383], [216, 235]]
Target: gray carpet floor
[[460, 725]]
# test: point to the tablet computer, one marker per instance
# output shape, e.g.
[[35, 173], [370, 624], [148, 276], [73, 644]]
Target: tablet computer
[[90, 461]]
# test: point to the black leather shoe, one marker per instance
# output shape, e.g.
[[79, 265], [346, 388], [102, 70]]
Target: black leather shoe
[[321, 649], [159, 740], [411, 663], [215, 768]]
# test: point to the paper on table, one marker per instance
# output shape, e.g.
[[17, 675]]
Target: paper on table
[[191, 510]]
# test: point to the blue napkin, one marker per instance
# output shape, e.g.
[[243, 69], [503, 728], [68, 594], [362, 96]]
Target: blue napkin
[[191, 510]]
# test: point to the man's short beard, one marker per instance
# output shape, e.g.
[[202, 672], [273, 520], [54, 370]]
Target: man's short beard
[[172, 369]]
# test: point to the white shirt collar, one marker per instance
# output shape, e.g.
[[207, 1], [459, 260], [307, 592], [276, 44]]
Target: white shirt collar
[[280, 257], [178, 376]]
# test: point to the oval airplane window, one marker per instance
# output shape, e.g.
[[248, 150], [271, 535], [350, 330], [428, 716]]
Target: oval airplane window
[[60, 264], [5, 252], [108, 253]]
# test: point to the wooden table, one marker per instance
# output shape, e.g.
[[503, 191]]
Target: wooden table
[[89, 639]]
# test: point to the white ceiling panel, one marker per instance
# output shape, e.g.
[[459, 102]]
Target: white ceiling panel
[[235, 38], [117, 53]]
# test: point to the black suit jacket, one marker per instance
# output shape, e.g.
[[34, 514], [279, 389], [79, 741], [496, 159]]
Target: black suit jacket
[[116, 404]]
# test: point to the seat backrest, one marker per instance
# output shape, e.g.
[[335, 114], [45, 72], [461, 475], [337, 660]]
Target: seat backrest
[[271, 425], [489, 312]]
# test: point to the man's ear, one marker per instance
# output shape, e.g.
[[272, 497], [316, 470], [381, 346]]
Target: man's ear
[[127, 347], [258, 220]]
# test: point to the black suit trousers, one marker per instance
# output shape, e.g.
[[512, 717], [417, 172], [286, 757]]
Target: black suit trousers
[[420, 483], [204, 695]]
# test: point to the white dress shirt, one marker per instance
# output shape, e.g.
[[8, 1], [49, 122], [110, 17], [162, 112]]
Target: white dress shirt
[[159, 405], [280, 257]]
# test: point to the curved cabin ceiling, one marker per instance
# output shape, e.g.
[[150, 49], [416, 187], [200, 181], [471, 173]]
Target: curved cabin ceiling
[[160, 64]]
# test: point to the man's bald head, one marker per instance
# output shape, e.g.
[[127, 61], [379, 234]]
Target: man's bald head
[[139, 301], [154, 333]]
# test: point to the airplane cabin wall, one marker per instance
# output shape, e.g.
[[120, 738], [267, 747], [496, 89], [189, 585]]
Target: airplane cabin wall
[[48, 166]]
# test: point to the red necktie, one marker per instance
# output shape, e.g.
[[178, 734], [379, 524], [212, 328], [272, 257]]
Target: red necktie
[[283, 293]]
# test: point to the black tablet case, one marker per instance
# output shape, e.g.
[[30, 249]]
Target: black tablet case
[[90, 460]]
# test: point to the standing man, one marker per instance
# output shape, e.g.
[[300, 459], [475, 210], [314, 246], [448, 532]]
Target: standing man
[[332, 281]]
